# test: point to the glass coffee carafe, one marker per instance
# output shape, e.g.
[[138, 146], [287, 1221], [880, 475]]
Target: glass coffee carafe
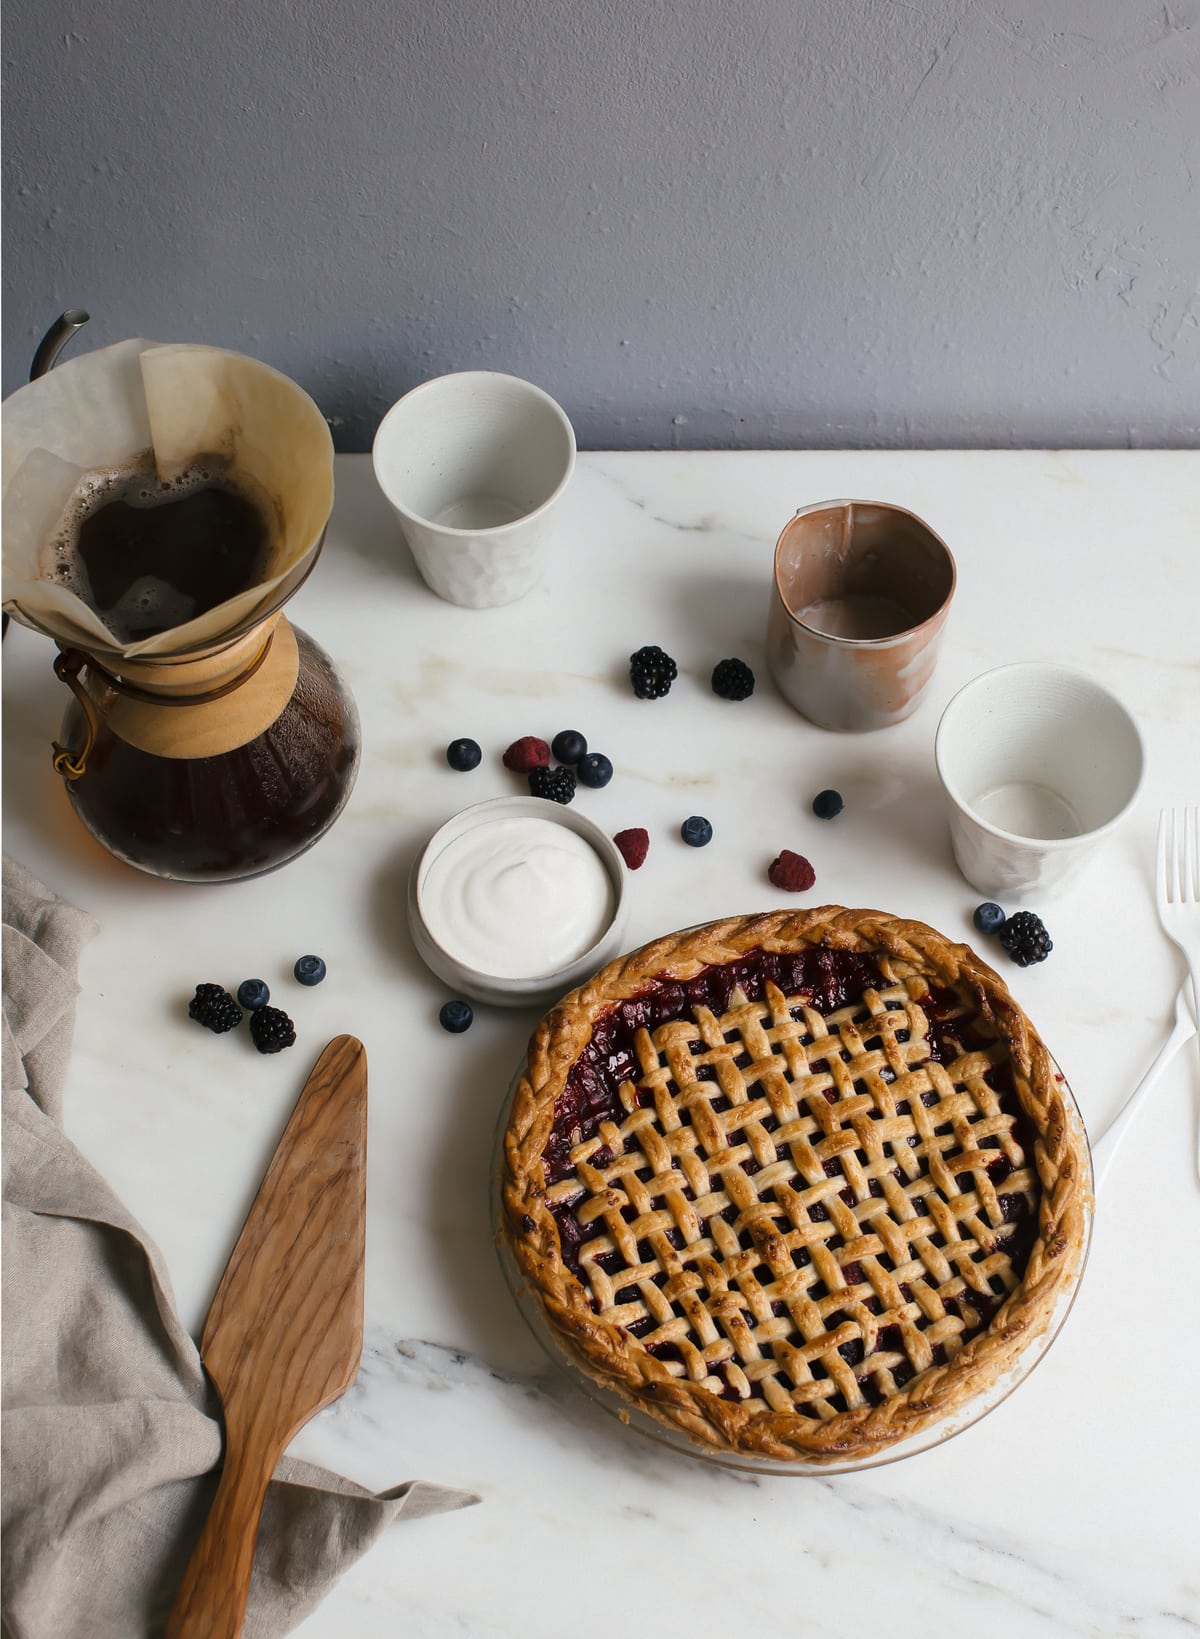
[[208, 739]]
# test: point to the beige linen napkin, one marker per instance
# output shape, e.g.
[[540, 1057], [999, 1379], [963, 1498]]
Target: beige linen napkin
[[110, 1433]]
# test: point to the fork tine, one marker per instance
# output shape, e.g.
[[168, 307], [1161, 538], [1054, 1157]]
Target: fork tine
[[1174, 855], [1191, 866], [1160, 856]]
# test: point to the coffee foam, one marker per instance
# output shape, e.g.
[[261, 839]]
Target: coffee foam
[[137, 483]]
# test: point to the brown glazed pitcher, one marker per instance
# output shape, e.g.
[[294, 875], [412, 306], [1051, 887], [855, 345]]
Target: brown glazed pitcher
[[861, 593]]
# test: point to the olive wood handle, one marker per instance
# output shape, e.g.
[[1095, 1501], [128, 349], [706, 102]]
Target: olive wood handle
[[211, 1601]]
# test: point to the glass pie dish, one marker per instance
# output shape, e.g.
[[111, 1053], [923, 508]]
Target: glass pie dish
[[771, 1197]]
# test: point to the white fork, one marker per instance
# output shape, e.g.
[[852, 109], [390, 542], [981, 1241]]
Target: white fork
[[1107, 1145], [1177, 887], [1177, 884]]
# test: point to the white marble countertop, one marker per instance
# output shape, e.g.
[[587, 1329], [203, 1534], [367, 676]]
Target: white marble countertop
[[1071, 1508]]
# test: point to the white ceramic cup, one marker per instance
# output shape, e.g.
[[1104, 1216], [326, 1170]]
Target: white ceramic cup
[[473, 465], [1039, 764]]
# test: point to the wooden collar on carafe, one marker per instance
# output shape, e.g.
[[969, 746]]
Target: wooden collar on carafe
[[202, 705]]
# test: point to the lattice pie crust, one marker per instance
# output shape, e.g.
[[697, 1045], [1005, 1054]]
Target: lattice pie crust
[[820, 1207]]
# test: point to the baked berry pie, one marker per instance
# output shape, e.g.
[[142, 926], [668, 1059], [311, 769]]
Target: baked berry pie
[[798, 1184]]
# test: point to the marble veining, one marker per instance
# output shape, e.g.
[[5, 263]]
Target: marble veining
[[1070, 1508]]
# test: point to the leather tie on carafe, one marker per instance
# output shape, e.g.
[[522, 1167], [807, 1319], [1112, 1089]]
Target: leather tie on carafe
[[182, 706]]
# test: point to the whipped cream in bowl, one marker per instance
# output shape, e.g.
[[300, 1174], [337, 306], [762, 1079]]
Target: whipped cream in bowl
[[517, 900]]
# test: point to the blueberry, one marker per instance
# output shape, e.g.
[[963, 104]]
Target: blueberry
[[569, 745], [309, 970], [696, 831], [463, 755], [827, 804], [252, 994], [988, 918], [456, 1017], [594, 770]]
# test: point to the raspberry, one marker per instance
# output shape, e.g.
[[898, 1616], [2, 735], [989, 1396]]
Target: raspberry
[[214, 1008], [633, 846], [558, 784], [732, 680], [526, 754], [791, 872], [271, 1030]]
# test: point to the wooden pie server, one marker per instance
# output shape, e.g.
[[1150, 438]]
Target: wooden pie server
[[284, 1335]]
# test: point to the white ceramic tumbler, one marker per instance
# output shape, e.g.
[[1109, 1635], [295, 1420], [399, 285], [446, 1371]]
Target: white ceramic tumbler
[[1039, 764], [473, 465]]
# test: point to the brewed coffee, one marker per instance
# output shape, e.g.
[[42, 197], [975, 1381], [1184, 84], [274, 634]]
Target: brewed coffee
[[237, 814], [147, 554]]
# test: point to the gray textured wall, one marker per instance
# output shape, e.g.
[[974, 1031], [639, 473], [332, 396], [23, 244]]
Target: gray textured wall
[[696, 222]]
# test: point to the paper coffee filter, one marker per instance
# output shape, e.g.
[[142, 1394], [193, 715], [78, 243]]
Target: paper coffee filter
[[106, 409]]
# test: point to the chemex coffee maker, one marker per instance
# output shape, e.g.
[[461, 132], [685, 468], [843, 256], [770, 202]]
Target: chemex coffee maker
[[161, 505]]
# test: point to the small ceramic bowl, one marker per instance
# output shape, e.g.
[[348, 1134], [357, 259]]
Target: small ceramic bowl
[[515, 898]]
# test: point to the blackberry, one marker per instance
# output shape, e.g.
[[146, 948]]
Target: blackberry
[[309, 970], [696, 831], [732, 680], [569, 746], [828, 805], [271, 1030], [558, 784], [988, 917], [652, 672], [594, 770], [463, 755], [214, 1008], [455, 1016], [1025, 939], [253, 994]]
